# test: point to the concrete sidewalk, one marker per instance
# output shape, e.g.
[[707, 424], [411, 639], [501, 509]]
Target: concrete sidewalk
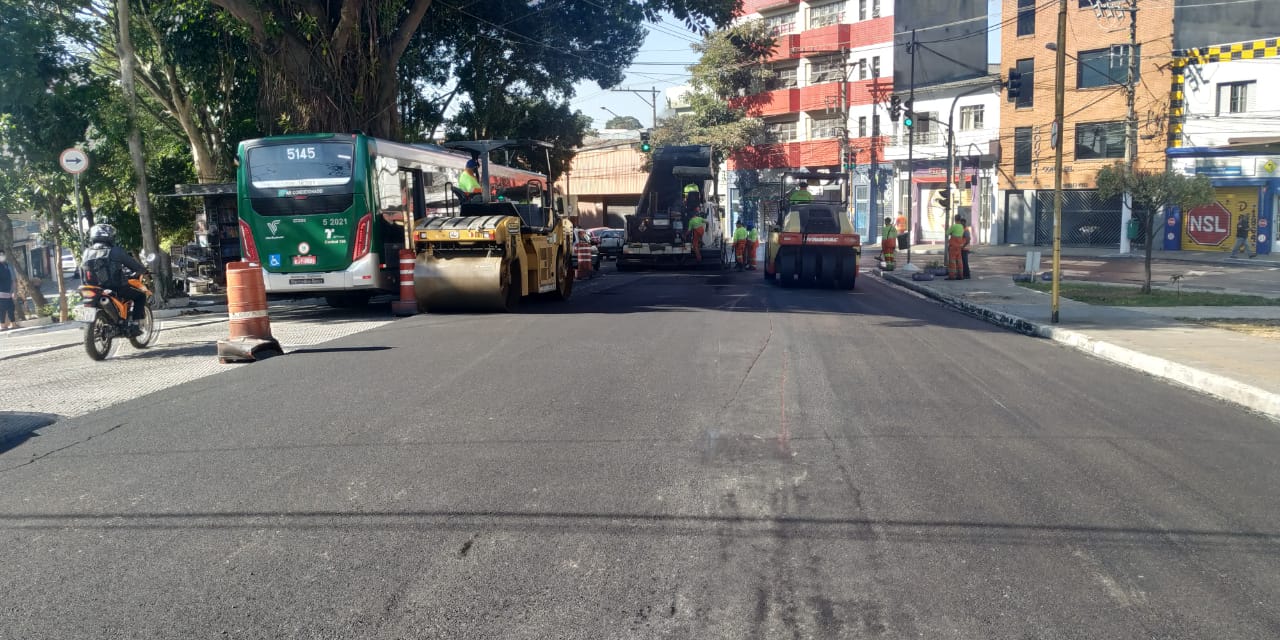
[[1233, 366]]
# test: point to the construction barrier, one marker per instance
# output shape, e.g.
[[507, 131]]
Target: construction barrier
[[582, 251], [250, 326], [407, 305]]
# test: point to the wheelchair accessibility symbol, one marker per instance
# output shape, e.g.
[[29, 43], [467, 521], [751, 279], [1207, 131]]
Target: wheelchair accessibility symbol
[[273, 260]]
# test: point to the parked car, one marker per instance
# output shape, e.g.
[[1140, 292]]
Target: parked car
[[70, 265], [609, 240]]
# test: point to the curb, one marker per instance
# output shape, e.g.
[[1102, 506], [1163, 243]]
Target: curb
[[998, 318], [1212, 384]]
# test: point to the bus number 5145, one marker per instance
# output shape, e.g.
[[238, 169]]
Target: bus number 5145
[[300, 153]]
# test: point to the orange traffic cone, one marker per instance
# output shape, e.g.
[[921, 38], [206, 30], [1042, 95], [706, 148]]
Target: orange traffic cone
[[250, 325]]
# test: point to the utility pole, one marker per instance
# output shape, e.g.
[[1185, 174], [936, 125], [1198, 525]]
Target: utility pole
[[873, 222], [652, 102], [911, 139], [1059, 96], [844, 134], [1131, 126]]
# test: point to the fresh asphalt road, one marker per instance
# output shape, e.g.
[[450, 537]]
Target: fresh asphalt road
[[671, 455]]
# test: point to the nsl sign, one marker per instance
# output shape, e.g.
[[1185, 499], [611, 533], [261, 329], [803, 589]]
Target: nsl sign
[[1209, 225]]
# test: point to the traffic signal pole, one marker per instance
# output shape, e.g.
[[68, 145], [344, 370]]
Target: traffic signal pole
[[911, 139], [1059, 92]]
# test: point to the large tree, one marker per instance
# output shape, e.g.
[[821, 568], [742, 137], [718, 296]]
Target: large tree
[[1152, 191], [725, 82], [47, 97], [197, 68], [337, 65]]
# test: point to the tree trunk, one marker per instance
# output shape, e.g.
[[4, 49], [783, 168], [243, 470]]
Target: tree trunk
[[55, 227], [127, 63], [1152, 233]]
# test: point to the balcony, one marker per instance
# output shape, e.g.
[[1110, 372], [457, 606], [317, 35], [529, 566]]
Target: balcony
[[820, 96], [770, 103], [815, 153], [783, 46], [756, 6], [829, 39]]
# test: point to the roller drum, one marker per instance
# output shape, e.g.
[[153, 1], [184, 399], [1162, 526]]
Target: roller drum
[[464, 282]]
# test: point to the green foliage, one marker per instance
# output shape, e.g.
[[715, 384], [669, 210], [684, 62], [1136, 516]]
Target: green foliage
[[726, 75], [624, 122], [1152, 190]]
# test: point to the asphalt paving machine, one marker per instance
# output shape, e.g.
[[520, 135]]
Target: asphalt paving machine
[[657, 231], [507, 243], [813, 242]]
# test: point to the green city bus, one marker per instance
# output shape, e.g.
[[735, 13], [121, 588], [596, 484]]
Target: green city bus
[[325, 214]]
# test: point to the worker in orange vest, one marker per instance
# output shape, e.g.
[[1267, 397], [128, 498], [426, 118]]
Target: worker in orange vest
[[889, 244], [740, 244], [753, 243], [697, 227], [955, 246]]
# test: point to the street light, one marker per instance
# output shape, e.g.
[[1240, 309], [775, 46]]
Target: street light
[[611, 111]]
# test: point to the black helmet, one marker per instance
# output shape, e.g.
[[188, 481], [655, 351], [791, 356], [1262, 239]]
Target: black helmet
[[104, 233]]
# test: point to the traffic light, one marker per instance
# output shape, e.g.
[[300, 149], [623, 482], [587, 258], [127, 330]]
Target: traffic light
[[849, 161], [895, 108], [1014, 84], [645, 147], [908, 118], [944, 199]]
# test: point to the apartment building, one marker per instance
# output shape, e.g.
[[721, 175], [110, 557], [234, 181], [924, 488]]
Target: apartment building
[[1225, 124], [832, 65], [1093, 135]]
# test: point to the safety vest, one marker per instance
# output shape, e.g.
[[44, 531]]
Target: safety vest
[[801, 195], [468, 183], [889, 231], [697, 222], [956, 230], [902, 224], [739, 234], [752, 235], [690, 188]]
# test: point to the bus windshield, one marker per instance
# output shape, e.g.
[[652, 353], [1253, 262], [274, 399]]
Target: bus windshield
[[303, 164]]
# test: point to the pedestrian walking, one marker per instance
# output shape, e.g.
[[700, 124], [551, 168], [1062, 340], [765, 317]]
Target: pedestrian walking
[[8, 289], [955, 242], [966, 247], [740, 244], [889, 244], [1242, 236], [901, 225]]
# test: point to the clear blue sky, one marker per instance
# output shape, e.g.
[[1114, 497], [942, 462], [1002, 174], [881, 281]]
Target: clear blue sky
[[661, 64]]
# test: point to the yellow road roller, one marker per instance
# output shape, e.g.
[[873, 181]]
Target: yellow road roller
[[507, 241]]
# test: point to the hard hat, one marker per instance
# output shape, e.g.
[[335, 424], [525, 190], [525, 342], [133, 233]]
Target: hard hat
[[472, 164]]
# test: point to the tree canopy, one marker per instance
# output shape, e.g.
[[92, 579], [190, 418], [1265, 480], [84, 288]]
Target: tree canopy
[[724, 81], [624, 122], [1152, 191]]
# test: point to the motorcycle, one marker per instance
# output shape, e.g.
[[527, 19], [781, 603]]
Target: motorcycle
[[106, 318]]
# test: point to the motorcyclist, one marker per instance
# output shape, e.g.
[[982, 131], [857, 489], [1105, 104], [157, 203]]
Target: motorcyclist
[[104, 265]]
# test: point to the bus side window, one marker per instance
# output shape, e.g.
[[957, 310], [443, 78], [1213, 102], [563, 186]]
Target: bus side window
[[392, 190], [417, 196]]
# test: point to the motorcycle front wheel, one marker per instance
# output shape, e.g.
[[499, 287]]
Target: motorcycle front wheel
[[97, 338], [150, 330]]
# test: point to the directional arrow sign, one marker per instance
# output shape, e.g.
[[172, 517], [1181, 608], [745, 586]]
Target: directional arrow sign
[[73, 161]]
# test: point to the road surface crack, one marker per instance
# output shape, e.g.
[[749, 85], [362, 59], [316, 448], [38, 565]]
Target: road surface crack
[[46, 454]]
